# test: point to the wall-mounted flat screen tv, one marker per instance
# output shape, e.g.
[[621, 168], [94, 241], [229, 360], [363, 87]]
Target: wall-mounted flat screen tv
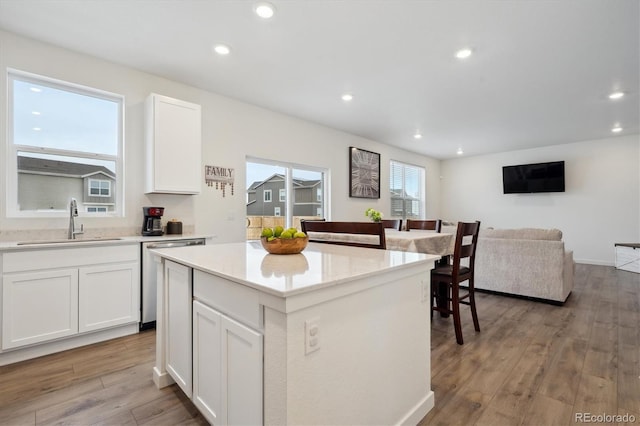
[[529, 178]]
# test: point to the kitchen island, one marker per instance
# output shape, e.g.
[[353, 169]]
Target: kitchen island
[[333, 335]]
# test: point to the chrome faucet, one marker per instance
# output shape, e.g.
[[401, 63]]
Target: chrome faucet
[[73, 212]]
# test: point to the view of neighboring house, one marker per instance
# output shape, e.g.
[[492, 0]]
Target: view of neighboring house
[[404, 205], [50, 184], [268, 197]]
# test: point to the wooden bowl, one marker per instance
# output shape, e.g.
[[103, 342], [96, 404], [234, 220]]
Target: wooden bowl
[[284, 246]]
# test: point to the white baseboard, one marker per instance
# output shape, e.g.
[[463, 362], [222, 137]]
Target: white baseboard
[[418, 412], [41, 349], [594, 262]]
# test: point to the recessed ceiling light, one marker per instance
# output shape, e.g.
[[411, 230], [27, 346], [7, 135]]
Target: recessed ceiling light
[[221, 49], [616, 129], [459, 151], [463, 53], [347, 97], [616, 95], [264, 10], [37, 129], [418, 135], [35, 112], [36, 89]]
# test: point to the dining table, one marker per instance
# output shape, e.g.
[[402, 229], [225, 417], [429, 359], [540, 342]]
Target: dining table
[[416, 241]]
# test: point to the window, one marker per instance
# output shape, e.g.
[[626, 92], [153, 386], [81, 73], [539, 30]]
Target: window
[[96, 209], [99, 188], [406, 190], [300, 189], [267, 196], [65, 141]]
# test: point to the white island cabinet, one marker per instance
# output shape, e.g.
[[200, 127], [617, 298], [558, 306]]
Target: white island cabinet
[[334, 335]]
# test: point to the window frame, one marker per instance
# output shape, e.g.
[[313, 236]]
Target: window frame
[[100, 182], [289, 167], [282, 194], [98, 209], [264, 196], [11, 161], [422, 189]]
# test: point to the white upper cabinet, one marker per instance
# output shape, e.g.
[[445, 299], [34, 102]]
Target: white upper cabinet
[[173, 146]]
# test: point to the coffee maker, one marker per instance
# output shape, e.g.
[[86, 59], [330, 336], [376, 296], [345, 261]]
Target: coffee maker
[[152, 224]]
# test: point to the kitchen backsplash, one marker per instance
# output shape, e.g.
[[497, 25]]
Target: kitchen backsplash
[[61, 234]]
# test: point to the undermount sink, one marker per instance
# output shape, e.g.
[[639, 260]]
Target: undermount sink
[[84, 240]]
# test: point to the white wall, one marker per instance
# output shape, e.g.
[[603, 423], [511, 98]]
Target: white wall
[[601, 204], [231, 131]]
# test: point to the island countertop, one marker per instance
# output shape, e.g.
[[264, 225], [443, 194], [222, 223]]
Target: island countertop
[[318, 266]]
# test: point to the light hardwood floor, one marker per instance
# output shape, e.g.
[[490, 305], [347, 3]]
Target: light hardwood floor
[[532, 364]]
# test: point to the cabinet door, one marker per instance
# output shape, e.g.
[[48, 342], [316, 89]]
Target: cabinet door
[[39, 306], [178, 305], [207, 375], [109, 295], [174, 134], [242, 373]]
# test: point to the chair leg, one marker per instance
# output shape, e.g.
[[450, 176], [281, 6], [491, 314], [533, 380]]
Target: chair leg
[[455, 305], [431, 297], [472, 305]]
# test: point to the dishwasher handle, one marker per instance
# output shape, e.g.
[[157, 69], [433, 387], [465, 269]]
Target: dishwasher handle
[[175, 244]]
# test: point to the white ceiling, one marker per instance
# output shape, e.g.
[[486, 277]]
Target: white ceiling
[[540, 74]]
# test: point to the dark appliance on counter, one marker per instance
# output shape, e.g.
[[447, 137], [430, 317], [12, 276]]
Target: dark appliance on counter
[[174, 227], [152, 224]]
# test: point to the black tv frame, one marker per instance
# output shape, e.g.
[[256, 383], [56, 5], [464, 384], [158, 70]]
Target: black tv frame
[[533, 178]]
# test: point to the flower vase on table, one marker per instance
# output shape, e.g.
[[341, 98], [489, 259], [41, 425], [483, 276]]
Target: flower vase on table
[[374, 215]]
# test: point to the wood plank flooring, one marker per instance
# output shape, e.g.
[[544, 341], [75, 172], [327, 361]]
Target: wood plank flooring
[[532, 364]]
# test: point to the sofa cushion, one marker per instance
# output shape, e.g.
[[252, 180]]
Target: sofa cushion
[[523, 234]]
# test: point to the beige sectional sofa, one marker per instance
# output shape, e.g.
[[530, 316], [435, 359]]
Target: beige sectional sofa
[[525, 262]]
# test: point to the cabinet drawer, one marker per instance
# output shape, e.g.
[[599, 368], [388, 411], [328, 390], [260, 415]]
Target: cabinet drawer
[[31, 260], [235, 300]]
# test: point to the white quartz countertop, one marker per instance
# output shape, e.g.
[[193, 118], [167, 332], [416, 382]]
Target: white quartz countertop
[[319, 265], [62, 243]]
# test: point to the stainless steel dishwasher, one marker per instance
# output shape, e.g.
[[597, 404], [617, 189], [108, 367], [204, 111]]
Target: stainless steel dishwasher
[[148, 296]]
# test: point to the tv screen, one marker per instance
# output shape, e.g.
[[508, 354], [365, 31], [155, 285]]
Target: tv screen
[[529, 178]]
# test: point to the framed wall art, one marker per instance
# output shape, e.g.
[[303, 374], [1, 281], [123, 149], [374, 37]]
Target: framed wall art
[[364, 172]]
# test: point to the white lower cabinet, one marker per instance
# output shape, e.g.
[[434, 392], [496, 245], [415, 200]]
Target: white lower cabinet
[[178, 301], [227, 368], [108, 296], [49, 294], [39, 306]]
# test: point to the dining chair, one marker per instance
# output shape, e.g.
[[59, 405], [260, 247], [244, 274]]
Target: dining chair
[[446, 279], [356, 228], [392, 223], [429, 225], [311, 220]]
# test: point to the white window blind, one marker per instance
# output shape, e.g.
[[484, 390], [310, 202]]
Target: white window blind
[[406, 190]]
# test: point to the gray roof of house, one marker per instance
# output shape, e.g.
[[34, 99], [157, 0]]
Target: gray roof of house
[[55, 167], [278, 176]]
